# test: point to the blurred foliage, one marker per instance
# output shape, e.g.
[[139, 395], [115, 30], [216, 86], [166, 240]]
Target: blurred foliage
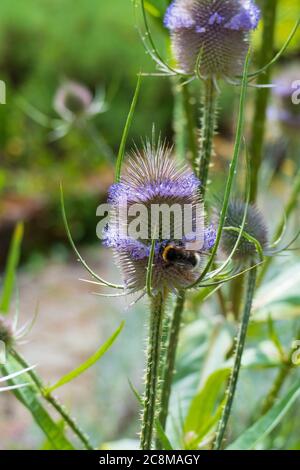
[[41, 44]]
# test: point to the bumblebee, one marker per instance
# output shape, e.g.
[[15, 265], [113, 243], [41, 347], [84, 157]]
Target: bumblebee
[[178, 256]]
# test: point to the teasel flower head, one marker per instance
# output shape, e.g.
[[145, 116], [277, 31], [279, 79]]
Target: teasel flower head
[[11, 333], [151, 179], [6, 333], [254, 226], [286, 94], [211, 34], [74, 100]]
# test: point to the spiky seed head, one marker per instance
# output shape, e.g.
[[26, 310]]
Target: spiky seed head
[[152, 178], [254, 226], [72, 100], [214, 31], [6, 332]]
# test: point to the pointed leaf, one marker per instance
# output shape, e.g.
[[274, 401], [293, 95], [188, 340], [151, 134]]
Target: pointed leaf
[[28, 397], [127, 129], [256, 433], [87, 364]]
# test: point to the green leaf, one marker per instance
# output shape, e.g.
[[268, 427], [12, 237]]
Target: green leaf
[[250, 438], [159, 429], [87, 364], [279, 295], [47, 444], [205, 407], [11, 267], [166, 444], [121, 153], [28, 397]]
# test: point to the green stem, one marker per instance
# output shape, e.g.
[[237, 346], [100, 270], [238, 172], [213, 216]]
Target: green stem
[[262, 94], [250, 288], [289, 209], [151, 406], [208, 131], [53, 401], [236, 295], [276, 387], [169, 365], [285, 370]]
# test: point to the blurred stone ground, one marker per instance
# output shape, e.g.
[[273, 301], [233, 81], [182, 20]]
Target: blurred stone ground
[[71, 325]]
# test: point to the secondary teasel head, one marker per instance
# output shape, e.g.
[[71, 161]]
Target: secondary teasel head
[[74, 100], [212, 33], [6, 333], [157, 199], [254, 226]]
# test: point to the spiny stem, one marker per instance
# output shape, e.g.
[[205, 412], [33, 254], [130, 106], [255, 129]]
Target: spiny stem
[[262, 94], [250, 288], [208, 131], [151, 406], [169, 365], [53, 401]]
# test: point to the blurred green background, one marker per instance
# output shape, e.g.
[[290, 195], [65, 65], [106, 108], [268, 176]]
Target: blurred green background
[[43, 43], [94, 42]]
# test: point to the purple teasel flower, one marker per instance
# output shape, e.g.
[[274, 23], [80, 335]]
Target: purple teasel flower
[[213, 32], [152, 178], [73, 100]]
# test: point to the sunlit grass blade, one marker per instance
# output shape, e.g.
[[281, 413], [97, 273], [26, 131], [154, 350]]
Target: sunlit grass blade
[[121, 152], [87, 364], [262, 428], [11, 267], [28, 397], [93, 274]]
